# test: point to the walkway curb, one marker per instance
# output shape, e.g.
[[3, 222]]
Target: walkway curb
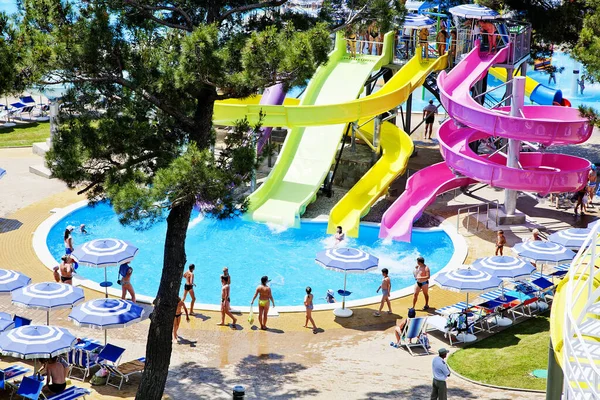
[[509, 389]]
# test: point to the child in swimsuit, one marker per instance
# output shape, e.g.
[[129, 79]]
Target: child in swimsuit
[[188, 287], [263, 292], [178, 313], [308, 303], [386, 288], [500, 242]]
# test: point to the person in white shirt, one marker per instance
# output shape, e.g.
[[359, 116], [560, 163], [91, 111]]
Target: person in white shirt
[[441, 372]]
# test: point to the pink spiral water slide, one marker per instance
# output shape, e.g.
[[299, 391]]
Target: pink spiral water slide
[[540, 172]]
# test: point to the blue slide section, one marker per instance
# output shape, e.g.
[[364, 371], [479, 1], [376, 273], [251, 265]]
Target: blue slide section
[[546, 96]]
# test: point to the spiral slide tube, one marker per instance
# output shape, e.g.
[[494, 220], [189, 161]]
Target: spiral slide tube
[[541, 172]]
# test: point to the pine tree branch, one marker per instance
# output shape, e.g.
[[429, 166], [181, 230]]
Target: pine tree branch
[[148, 12], [249, 7]]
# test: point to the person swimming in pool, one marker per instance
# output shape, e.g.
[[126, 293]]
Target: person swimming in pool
[[264, 296], [422, 275], [386, 288]]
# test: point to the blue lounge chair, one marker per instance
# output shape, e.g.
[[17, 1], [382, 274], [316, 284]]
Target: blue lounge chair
[[111, 354], [20, 321], [11, 373], [70, 393], [124, 371], [410, 335], [30, 388], [82, 358]]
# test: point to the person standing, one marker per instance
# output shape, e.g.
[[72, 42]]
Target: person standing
[[429, 113], [422, 275], [68, 239], [308, 303], [188, 287], [552, 77], [225, 302], [500, 242], [351, 39], [125, 271], [264, 297], [178, 313], [386, 288], [424, 42], [441, 372], [581, 83], [440, 41], [591, 186], [452, 51]]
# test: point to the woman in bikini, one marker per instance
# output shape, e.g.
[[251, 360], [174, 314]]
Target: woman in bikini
[[68, 239], [308, 303], [264, 296], [126, 287], [66, 270], [225, 301], [178, 313], [351, 39], [373, 31]]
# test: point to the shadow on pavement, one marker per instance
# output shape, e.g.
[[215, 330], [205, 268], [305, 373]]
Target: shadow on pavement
[[9, 225], [419, 392]]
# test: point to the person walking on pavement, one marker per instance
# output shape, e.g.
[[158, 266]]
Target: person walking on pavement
[[441, 372]]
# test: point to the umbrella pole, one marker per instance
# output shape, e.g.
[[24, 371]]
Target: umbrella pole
[[344, 297], [105, 287], [47, 317], [105, 337]]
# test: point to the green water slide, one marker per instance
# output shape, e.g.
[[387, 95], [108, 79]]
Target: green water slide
[[308, 152]]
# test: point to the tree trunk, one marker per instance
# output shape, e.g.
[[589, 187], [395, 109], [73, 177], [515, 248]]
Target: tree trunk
[[159, 345], [203, 116]]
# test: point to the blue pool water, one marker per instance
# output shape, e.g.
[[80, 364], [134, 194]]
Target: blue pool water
[[250, 251]]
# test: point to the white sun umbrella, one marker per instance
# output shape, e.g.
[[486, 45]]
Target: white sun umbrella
[[47, 296], [103, 253], [474, 11], [504, 267], [544, 252], [467, 280], [349, 261], [418, 21], [572, 238]]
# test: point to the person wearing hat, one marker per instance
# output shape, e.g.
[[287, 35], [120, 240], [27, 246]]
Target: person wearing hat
[[68, 239], [329, 296], [429, 113], [441, 372]]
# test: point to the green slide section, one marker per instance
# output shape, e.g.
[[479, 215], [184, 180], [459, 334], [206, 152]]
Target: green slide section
[[307, 154]]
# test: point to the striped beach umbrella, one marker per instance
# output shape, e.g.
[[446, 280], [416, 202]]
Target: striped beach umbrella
[[11, 280], [2, 172], [106, 314], [48, 296], [418, 21], [6, 321], [36, 341], [103, 253], [467, 280], [474, 11], [572, 238], [346, 260], [544, 252], [504, 266]]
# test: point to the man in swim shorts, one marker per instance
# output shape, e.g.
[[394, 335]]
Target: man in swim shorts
[[422, 275], [429, 113], [188, 287], [386, 288]]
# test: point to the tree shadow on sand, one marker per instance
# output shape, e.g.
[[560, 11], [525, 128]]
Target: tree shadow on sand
[[267, 376], [191, 380], [418, 392]]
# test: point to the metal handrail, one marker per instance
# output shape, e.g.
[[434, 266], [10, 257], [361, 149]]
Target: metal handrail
[[577, 285]]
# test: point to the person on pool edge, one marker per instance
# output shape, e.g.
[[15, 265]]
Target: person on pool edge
[[264, 297], [422, 275]]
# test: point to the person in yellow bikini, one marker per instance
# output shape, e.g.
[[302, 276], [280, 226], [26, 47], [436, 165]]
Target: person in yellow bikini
[[264, 297]]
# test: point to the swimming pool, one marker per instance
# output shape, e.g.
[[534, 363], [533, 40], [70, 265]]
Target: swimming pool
[[252, 250]]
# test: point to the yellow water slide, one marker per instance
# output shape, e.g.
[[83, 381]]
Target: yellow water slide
[[500, 74], [397, 148]]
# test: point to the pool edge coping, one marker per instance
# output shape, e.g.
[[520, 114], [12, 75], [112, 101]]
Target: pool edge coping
[[39, 242]]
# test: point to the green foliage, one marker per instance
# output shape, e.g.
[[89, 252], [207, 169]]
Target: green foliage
[[588, 46], [591, 114], [24, 135], [8, 73]]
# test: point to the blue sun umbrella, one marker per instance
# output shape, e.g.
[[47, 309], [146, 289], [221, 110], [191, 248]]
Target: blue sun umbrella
[[106, 314], [103, 253], [544, 252], [467, 280], [2, 172], [417, 21], [346, 260], [48, 296], [36, 341], [504, 266], [474, 11], [11, 280], [571, 238]]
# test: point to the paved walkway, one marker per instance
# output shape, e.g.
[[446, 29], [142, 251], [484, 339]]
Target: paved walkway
[[348, 357]]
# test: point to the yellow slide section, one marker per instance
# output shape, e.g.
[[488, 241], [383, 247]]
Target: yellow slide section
[[397, 148], [500, 73]]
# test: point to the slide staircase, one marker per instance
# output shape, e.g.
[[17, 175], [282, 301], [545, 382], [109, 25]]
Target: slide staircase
[[575, 323], [470, 121]]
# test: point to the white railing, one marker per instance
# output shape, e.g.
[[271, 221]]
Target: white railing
[[582, 374]]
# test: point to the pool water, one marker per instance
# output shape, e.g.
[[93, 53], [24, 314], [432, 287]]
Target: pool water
[[252, 250]]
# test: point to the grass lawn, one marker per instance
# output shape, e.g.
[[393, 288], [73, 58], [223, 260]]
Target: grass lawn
[[24, 135], [507, 358]]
